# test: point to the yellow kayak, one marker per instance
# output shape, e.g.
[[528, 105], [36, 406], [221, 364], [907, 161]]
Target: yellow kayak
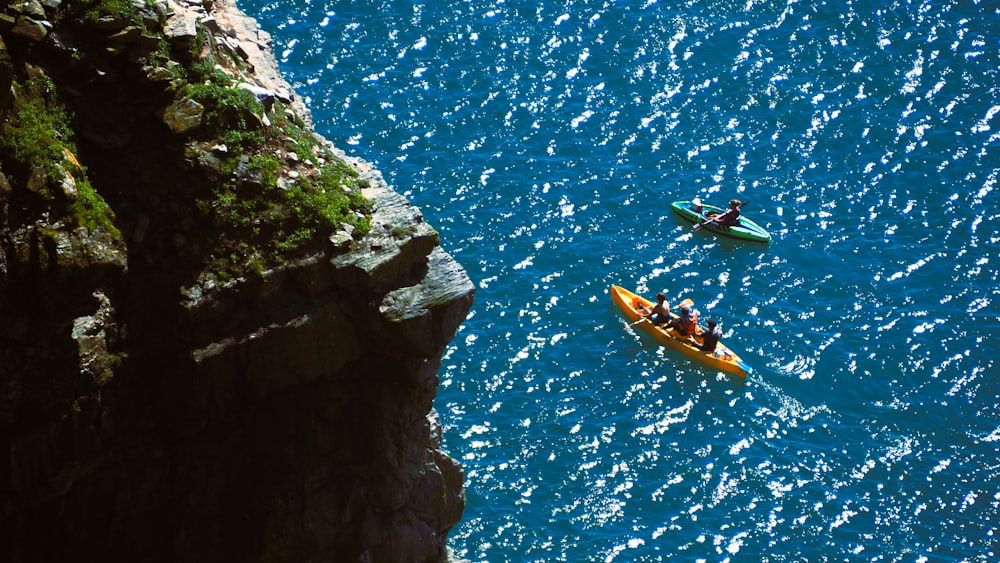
[[722, 359]]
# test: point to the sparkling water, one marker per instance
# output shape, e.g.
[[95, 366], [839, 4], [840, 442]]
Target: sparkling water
[[546, 140]]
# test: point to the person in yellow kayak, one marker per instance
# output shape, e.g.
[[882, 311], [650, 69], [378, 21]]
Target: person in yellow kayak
[[658, 314], [686, 323], [710, 338], [727, 218]]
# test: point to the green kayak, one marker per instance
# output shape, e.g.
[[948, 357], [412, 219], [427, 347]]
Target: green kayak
[[698, 213]]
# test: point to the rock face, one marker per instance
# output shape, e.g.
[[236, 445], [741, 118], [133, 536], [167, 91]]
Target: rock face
[[159, 404]]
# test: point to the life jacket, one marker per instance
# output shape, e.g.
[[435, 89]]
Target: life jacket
[[690, 323]]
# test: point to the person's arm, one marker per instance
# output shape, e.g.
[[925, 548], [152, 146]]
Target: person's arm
[[723, 218], [717, 219]]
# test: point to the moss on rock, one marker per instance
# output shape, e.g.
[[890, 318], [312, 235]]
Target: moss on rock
[[37, 148]]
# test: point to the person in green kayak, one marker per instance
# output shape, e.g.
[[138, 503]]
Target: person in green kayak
[[710, 338], [660, 313], [727, 218]]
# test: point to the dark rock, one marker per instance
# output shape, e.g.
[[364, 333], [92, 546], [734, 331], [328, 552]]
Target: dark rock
[[96, 337], [249, 175], [164, 403], [5, 188], [37, 179], [135, 35], [31, 8], [6, 76], [160, 74], [183, 115], [383, 262], [266, 96], [212, 166], [181, 26], [33, 29], [64, 41], [423, 318], [112, 23]]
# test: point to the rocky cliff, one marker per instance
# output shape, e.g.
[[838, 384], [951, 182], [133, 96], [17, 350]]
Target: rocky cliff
[[219, 335]]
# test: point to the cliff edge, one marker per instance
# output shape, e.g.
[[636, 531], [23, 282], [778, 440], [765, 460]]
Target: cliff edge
[[219, 334]]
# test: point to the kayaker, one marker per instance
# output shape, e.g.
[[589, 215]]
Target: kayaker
[[710, 338], [660, 313], [686, 323], [726, 219]]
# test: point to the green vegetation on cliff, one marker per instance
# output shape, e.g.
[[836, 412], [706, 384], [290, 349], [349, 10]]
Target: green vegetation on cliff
[[36, 130], [90, 11], [37, 148], [269, 206], [276, 214], [255, 185]]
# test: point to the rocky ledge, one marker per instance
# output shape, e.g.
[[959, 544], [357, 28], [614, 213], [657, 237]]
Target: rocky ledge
[[219, 335]]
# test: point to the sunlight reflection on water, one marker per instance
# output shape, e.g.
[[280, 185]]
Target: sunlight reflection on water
[[546, 141]]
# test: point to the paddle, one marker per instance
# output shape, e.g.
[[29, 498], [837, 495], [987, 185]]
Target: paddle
[[712, 220], [630, 325]]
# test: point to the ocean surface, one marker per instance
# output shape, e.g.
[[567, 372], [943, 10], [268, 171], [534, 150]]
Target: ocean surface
[[546, 140]]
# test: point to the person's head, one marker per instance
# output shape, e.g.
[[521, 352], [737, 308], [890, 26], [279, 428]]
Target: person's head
[[685, 311], [733, 204], [711, 324], [660, 298]]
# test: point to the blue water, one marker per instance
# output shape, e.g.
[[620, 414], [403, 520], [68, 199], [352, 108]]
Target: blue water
[[545, 141]]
